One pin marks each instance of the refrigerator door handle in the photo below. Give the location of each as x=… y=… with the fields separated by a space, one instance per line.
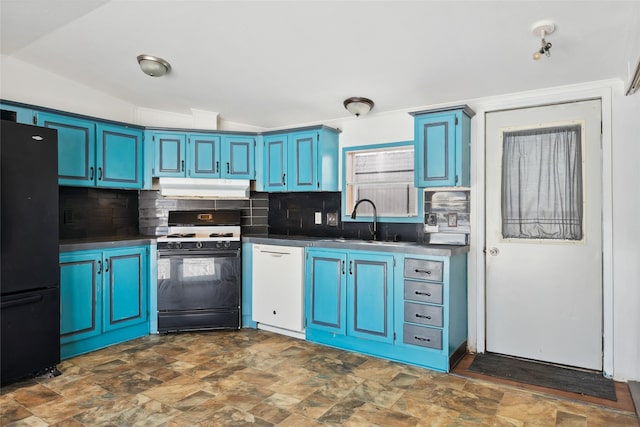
x=22 y=301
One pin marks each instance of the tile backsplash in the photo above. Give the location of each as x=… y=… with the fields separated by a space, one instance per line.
x=97 y=212
x=154 y=211
x=294 y=214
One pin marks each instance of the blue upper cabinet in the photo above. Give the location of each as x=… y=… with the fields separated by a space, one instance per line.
x=301 y=162
x=16 y=113
x=169 y=154
x=305 y=160
x=204 y=155
x=96 y=154
x=118 y=156
x=442 y=147
x=238 y=154
x=76 y=148
x=275 y=162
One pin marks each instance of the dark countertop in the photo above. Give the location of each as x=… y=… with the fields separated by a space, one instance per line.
x=104 y=242
x=355 y=244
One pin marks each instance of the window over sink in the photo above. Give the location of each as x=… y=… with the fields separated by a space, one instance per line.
x=383 y=173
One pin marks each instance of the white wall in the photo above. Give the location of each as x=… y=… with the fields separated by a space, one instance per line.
x=22 y=82
x=626 y=235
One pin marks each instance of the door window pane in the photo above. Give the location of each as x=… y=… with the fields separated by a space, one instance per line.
x=542 y=191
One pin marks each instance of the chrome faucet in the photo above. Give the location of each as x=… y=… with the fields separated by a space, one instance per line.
x=375 y=215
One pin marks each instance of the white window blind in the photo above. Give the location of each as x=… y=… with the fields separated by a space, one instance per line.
x=384 y=176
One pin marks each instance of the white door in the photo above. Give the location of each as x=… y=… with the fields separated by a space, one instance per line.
x=543 y=234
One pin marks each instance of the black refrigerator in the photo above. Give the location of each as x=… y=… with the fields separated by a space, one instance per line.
x=29 y=269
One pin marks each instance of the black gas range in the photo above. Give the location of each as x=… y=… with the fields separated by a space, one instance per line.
x=199 y=271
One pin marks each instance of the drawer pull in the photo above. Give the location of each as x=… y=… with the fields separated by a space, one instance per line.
x=427 y=272
x=423 y=293
x=422 y=339
x=423 y=316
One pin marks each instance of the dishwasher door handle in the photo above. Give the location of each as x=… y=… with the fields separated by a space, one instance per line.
x=274 y=253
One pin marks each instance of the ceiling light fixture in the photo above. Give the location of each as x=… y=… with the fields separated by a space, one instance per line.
x=358 y=106
x=153 y=66
x=542 y=29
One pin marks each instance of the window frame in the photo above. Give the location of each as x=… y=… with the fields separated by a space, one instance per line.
x=346 y=215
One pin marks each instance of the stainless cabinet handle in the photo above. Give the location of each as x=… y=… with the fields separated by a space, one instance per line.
x=421 y=316
x=427 y=272
x=422 y=339
x=423 y=293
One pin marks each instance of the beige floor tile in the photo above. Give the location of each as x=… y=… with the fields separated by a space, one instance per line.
x=249 y=377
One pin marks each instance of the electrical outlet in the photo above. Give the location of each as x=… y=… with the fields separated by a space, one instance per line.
x=318 y=218
x=452 y=219
x=332 y=219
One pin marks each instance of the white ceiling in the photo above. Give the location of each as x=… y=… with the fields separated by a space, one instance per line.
x=273 y=64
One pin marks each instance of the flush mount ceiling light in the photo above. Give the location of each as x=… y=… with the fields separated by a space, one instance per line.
x=542 y=29
x=358 y=106
x=153 y=66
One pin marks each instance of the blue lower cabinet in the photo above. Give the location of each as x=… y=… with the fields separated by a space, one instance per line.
x=407 y=308
x=103 y=298
x=80 y=296
x=326 y=284
x=349 y=297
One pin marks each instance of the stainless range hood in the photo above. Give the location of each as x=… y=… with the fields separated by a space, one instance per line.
x=204 y=188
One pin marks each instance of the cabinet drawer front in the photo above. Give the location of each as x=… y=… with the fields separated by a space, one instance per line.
x=423 y=269
x=423 y=291
x=424 y=337
x=421 y=313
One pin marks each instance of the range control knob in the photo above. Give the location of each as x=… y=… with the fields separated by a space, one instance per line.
x=178 y=245
x=227 y=244
x=199 y=245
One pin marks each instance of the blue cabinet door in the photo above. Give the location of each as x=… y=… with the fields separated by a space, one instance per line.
x=20 y=114
x=169 y=154
x=125 y=287
x=301 y=162
x=275 y=159
x=204 y=156
x=436 y=150
x=76 y=148
x=238 y=153
x=80 y=296
x=326 y=291
x=118 y=156
x=370 y=296
x=443 y=147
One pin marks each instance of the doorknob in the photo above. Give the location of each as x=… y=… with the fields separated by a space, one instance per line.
x=493 y=251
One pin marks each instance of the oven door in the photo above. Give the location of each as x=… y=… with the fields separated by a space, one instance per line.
x=198 y=290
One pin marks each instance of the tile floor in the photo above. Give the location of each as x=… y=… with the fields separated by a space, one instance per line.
x=256 y=377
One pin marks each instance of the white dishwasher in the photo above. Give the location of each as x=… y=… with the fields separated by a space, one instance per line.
x=278 y=288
